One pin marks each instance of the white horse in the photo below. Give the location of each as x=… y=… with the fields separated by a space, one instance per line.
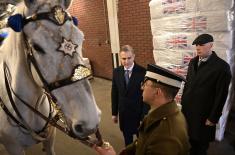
x=40 y=64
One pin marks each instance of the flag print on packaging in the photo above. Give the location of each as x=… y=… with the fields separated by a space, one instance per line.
x=173 y=6
x=177 y=42
x=195 y=24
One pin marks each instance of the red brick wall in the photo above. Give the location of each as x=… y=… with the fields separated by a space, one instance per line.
x=134 y=29
x=92 y=21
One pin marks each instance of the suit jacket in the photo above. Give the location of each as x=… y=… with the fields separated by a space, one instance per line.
x=163 y=132
x=204 y=95
x=127 y=101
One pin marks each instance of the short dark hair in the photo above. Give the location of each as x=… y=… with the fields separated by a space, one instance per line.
x=127 y=48
x=169 y=91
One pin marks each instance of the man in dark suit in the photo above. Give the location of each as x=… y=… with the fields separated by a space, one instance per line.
x=164 y=129
x=127 y=103
x=204 y=94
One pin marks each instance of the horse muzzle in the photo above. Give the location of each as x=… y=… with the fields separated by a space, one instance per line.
x=88 y=140
x=80 y=131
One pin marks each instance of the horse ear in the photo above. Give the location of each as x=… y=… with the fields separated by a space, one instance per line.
x=28 y=3
x=67 y=3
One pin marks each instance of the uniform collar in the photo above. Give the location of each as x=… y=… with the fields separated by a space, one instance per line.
x=159 y=114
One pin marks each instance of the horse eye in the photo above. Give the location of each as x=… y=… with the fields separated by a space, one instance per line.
x=38 y=48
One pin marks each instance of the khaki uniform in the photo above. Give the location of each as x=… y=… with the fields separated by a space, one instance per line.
x=163 y=132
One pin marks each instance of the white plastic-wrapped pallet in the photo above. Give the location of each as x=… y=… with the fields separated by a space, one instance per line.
x=173 y=40
x=176 y=23
x=163 y=8
x=208 y=21
x=183 y=41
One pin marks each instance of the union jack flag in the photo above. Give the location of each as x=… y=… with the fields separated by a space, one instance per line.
x=165 y=2
x=177 y=42
x=198 y=23
x=173 y=9
x=178 y=69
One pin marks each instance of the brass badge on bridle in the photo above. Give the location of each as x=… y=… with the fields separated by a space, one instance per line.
x=59 y=14
x=81 y=72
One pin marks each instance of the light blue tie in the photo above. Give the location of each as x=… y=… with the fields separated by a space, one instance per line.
x=127 y=76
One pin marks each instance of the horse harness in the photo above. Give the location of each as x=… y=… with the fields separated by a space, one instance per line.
x=58 y=16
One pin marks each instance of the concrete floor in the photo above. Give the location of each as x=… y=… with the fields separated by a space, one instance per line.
x=68 y=146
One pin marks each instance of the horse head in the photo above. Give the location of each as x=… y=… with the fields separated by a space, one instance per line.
x=52 y=51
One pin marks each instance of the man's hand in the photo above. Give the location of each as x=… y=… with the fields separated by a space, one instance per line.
x=104 y=151
x=209 y=123
x=115 y=119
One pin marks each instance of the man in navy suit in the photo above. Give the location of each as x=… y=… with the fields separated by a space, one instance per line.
x=127 y=101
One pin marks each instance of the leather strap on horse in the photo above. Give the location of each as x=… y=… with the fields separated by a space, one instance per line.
x=49 y=120
x=24 y=124
x=57 y=84
x=48 y=88
x=10 y=115
x=51 y=16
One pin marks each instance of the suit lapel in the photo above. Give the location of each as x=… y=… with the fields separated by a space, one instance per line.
x=195 y=64
x=122 y=78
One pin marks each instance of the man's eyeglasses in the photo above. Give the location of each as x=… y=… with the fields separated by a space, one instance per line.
x=145 y=83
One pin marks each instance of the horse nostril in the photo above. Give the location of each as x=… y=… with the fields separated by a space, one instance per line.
x=78 y=128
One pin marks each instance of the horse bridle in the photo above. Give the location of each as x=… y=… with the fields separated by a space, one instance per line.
x=58 y=16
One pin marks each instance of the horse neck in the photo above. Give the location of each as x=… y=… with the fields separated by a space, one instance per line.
x=15 y=57
x=16 y=60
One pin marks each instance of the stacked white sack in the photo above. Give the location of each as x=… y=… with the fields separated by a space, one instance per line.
x=175 y=24
x=170 y=40
x=170 y=58
x=209 y=21
x=163 y=8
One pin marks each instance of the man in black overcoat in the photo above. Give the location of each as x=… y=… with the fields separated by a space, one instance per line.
x=204 y=94
x=127 y=101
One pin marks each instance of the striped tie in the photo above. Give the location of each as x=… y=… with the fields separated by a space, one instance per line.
x=127 y=76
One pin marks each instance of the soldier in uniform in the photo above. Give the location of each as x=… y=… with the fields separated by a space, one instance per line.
x=164 y=129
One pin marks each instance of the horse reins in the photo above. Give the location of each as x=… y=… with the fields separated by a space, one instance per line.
x=48 y=88
x=49 y=120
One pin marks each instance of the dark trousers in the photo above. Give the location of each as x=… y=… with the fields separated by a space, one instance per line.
x=128 y=137
x=199 y=147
